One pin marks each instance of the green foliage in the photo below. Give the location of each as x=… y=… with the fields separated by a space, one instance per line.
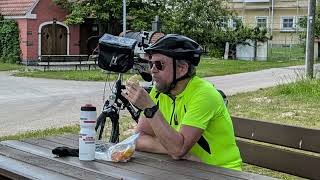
x=140 y=13
x=205 y=21
x=9 y=41
x=200 y=20
x=303 y=89
x=215 y=52
x=303 y=25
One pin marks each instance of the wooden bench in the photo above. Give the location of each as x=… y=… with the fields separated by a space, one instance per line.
x=292 y=150
x=32 y=159
x=66 y=60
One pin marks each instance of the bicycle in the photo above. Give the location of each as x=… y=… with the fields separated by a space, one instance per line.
x=114 y=104
x=111 y=109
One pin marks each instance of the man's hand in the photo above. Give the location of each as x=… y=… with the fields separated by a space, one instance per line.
x=137 y=95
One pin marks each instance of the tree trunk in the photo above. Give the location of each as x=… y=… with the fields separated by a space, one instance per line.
x=255 y=50
x=226 y=51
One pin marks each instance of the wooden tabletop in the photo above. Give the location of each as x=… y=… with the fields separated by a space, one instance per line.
x=32 y=159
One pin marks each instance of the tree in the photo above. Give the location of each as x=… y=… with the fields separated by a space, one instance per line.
x=196 y=19
x=200 y=20
x=108 y=13
x=302 y=26
x=206 y=21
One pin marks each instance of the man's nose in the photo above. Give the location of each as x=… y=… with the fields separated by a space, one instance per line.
x=153 y=68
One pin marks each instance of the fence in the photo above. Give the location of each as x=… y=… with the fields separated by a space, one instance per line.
x=286 y=50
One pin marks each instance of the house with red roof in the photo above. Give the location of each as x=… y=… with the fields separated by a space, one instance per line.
x=43 y=31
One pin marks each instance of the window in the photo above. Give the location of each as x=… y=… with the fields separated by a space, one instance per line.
x=261 y=21
x=236 y=21
x=223 y=22
x=287 y=23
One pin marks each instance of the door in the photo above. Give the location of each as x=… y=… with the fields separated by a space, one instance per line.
x=53 y=40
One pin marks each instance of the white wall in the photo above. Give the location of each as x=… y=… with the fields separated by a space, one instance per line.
x=246 y=52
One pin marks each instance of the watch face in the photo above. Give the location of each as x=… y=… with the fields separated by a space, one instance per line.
x=149 y=112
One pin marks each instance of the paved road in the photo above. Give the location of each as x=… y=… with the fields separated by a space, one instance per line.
x=244 y=82
x=33 y=103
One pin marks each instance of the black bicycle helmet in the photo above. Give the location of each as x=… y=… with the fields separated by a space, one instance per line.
x=178 y=47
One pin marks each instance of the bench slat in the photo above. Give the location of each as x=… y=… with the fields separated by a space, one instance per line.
x=34 y=156
x=99 y=170
x=289 y=136
x=137 y=168
x=280 y=160
x=156 y=160
x=14 y=169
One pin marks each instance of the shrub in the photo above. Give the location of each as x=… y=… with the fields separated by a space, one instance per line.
x=9 y=41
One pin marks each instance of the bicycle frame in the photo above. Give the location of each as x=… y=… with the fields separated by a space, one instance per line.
x=111 y=109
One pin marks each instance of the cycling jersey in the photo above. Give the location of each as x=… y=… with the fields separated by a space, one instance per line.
x=200 y=105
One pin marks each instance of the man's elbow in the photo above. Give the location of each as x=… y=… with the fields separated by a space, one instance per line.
x=177 y=153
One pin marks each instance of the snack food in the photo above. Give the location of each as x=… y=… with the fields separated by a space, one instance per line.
x=121 y=152
x=134 y=79
x=122 y=155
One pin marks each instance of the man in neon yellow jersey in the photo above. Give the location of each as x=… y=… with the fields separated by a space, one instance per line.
x=184 y=115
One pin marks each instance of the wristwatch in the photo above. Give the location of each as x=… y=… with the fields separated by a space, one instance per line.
x=150 y=112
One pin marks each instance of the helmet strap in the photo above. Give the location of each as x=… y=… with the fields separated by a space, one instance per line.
x=175 y=81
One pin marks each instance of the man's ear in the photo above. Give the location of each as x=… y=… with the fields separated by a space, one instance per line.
x=183 y=68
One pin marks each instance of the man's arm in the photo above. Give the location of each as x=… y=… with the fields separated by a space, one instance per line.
x=149 y=143
x=147 y=140
x=176 y=143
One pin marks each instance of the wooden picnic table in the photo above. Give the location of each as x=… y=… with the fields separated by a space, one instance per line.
x=33 y=159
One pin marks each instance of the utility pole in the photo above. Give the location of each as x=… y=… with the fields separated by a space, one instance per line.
x=124 y=17
x=310 y=39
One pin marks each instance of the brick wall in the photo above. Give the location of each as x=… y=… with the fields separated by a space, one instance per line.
x=46 y=11
x=22 y=23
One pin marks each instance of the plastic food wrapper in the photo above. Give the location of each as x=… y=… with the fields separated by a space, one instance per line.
x=121 y=152
x=134 y=79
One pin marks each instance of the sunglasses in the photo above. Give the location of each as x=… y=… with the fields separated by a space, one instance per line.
x=159 y=65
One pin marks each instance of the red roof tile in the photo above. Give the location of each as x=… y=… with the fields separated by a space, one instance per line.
x=15 y=7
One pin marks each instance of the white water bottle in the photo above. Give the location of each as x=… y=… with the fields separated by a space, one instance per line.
x=87 y=136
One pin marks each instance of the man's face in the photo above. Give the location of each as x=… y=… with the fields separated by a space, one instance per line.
x=161 y=70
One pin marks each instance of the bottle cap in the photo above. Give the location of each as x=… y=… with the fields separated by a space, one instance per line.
x=88 y=107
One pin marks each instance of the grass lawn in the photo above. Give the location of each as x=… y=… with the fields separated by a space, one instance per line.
x=205 y=68
x=293 y=104
x=223 y=67
x=8 y=67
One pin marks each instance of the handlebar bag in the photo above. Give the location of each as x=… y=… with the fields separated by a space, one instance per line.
x=116 y=53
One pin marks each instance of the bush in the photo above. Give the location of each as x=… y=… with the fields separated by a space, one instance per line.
x=216 y=53
x=9 y=41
